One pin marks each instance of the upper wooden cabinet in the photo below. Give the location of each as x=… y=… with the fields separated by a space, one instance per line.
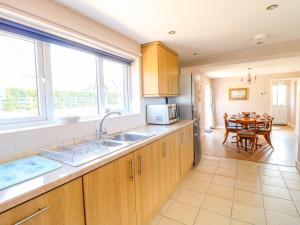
x=160 y=70
x=61 y=206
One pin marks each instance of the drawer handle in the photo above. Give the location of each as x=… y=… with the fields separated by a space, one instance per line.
x=139 y=165
x=131 y=170
x=39 y=211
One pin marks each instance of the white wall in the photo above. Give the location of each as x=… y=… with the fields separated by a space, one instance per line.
x=16 y=144
x=256 y=103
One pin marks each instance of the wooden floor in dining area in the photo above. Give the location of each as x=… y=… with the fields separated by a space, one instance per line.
x=283 y=139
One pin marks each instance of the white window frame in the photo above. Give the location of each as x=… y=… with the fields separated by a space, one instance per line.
x=40 y=83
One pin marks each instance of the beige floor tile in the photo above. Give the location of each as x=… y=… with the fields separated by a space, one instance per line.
x=293 y=184
x=166 y=206
x=221 y=191
x=211 y=157
x=238 y=222
x=248 y=169
x=274 y=218
x=206 y=169
x=247 y=163
x=226 y=172
x=268 y=166
x=274 y=191
x=248 y=198
x=209 y=162
x=247 y=176
x=222 y=180
x=182 y=213
x=155 y=220
x=248 y=214
x=274 y=181
x=176 y=192
x=167 y=221
x=248 y=186
x=291 y=176
x=280 y=205
x=223 y=159
x=271 y=173
x=196 y=175
x=195 y=185
x=290 y=169
x=297 y=204
x=208 y=218
x=228 y=165
x=189 y=197
x=295 y=195
x=217 y=205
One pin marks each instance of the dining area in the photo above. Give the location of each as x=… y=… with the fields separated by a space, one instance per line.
x=249 y=131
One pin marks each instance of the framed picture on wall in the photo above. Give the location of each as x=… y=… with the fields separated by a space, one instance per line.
x=238 y=93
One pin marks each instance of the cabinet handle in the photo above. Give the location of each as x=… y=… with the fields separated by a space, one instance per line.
x=39 y=211
x=139 y=165
x=131 y=170
x=164 y=150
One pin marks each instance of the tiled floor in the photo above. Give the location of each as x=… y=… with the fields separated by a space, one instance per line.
x=284 y=140
x=222 y=191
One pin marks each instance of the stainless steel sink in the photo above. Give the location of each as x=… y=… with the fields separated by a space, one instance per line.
x=129 y=137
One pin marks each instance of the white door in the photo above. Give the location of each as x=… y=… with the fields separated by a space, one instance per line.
x=280 y=102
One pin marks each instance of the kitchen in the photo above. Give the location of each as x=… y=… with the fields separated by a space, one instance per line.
x=97 y=88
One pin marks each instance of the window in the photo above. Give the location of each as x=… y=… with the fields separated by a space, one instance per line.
x=20 y=86
x=40 y=80
x=279 y=93
x=74 y=82
x=114 y=85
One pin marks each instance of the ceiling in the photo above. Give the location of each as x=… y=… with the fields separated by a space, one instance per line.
x=262 y=67
x=208 y=27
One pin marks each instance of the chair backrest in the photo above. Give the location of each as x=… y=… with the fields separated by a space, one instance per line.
x=252 y=124
x=270 y=121
x=225 y=114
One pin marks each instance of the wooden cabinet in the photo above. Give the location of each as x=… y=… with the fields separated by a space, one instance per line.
x=160 y=70
x=61 y=206
x=186 y=149
x=109 y=193
x=148 y=181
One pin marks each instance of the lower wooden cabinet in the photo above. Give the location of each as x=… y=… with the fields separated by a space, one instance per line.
x=186 y=149
x=61 y=206
x=109 y=193
x=148 y=172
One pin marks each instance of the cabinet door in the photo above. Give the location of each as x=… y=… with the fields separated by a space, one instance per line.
x=172 y=162
x=147 y=181
x=186 y=149
x=163 y=70
x=109 y=194
x=61 y=206
x=174 y=74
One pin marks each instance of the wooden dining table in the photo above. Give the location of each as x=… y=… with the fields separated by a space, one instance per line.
x=245 y=122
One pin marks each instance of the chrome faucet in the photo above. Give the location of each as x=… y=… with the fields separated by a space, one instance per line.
x=102 y=131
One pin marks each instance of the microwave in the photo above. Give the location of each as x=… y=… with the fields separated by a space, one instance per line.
x=162 y=114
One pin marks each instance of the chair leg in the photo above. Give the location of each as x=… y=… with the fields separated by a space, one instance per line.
x=237 y=143
x=269 y=141
x=226 y=136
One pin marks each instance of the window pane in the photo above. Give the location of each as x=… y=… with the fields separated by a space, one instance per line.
x=281 y=94
x=274 y=94
x=114 y=75
x=18 y=79
x=74 y=82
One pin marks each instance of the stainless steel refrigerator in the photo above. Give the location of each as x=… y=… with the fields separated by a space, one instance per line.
x=189 y=86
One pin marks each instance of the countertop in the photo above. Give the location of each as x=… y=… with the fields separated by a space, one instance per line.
x=30 y=189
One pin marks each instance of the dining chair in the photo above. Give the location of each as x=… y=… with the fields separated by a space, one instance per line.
x=247 y=134
x=266 y=130
x=230 y=127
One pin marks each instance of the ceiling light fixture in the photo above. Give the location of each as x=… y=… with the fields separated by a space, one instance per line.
x=272 y=7
x=248 y=79
x=194 y=53
x=172 y=32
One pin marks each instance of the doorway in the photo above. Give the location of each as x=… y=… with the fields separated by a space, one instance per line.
x=208 y=113
x=280 y=101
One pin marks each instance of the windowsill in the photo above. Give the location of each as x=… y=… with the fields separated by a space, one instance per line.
x=14 y=128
